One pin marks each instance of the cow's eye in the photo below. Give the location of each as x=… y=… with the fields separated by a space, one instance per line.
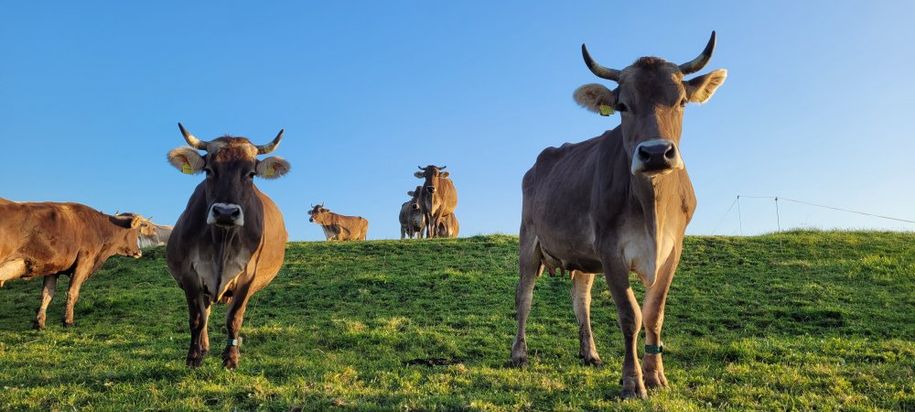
x=251 y=175
x=621 y=107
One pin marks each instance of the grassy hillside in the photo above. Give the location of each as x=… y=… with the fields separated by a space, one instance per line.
x=790 y=321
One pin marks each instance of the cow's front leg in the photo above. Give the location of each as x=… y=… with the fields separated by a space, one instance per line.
x=47 y=294
x=198 y=307
x=653 y=311
x=234 y=319
x=630 y=322
x=581 y=303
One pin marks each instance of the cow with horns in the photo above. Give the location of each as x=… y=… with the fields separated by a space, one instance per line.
x=439 y=197
x=230 y=241
x=615 y=204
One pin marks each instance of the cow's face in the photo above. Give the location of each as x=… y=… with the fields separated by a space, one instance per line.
x=129 y=244
x=651 y=97
x=230 y=165
x=431 y=174
x=318 y=214
x=415 y=198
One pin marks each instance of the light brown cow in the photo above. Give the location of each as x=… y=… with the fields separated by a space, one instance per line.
x=52 y=239
x=616 y=203
x=439 y=197
x=151 y=234
x=338 y=227
x=230 y=241
x=412 y=219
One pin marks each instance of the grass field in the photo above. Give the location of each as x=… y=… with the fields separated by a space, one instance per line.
x=802 y=320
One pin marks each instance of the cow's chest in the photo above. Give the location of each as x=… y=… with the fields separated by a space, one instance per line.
x=644 y=251
x=215 y=275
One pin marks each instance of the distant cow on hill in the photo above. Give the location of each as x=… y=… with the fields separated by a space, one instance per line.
x=412 y=219
x=615 y=204
x=52 y=239
x=338 y=227
x=439 y=197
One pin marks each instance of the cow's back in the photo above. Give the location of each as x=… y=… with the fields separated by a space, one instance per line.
x=48 y=235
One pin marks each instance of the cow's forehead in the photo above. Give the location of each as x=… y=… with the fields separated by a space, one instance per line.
x=228 y=148
x=652 y=78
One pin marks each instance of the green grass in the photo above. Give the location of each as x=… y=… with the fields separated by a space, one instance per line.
x=801 y=320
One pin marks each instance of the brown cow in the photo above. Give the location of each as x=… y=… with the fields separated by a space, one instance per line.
x=52 y=239
x=439 y=197
x=412 y=219
x=230 y=241
x=338 y=227
x=616 y=203
x=447 y=226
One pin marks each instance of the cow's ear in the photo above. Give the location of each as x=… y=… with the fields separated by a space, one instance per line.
x=136 y=222
x=701 y=88
x=186 y=159
x=445 y=174
x=420 y=174
x=596 y=98
x=272 y=167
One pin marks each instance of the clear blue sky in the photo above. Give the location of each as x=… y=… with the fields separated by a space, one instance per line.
x=817 y=106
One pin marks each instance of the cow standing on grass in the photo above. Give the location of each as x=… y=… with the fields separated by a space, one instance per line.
x=230 y=240
x=439 y=197
x=615 y=204
x=412 y=219
x=338 y=227
x=151 y=234
x=52 y=239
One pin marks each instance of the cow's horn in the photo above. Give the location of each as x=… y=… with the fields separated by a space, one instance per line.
x=269 y=147
x=597 y=69
x=420 y=168
x=698 y=63
x=191 y=140
x=443 y=167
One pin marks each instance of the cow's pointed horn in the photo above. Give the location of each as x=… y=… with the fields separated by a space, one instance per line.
x=597 y=69
x=192 y=140
x=443 y=167
x=420 y=168
x=269 y=147
x=698 y=63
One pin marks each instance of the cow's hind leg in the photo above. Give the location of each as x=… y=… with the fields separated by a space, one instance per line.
x=234 y=319
x=653 y=312
x=630 y=323
x=581 y=303
x=47 y=294
x=198 y=307
x=81 y=273
x=530 y=268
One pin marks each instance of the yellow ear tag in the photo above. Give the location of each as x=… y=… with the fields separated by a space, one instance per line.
x=186 y=169
x=605 y=110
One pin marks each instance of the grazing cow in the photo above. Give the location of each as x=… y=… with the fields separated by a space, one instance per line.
x=151 y=234
x=412 y=219
x=338 y=227
x=615 y=204
x=439 y=195
x=52 y=239
x=230 y=240
x=447 y=226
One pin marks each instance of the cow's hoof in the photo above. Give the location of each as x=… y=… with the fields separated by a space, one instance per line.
x=194 y=359
x=69 y=324
x=592 y=361
x=518 y=361
x=230 y=357
x=655 y=380
x=38 y=325
x=633 y=388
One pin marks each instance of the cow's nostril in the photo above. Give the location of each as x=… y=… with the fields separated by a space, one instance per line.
x=671 y=153
x=236 y=213
x=643 y=154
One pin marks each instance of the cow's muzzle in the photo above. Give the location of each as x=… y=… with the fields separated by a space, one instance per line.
x=656 y=157
x=226 y=214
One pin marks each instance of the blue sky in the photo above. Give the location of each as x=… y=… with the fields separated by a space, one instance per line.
x=817 y=105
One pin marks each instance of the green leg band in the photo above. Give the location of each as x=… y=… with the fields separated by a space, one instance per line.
x=654 y=349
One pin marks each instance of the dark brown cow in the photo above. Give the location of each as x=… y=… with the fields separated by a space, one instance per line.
x=52 y=239
x=338 y=227
x=412 y=219
x=439 y=197
x=615 y=204
x=230 y=241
